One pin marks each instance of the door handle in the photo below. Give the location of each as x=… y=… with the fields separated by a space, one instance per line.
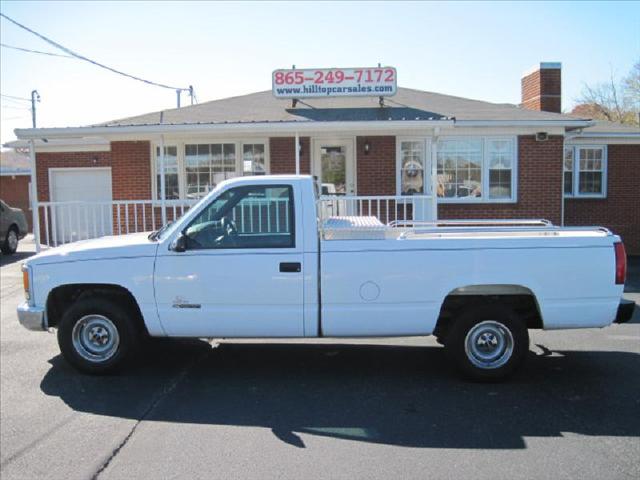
x=290 y=267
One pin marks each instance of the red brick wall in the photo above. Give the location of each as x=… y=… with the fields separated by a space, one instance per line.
x=131 y=170
x=620 y=211
x=376 y=172
x=282 y=155
x=14 y=190
x=542 y=89
x=539 y=186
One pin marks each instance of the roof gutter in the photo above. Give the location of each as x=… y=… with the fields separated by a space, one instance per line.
x=525 y=123
x=282 y=127
x=254 y=127
x=605 y=135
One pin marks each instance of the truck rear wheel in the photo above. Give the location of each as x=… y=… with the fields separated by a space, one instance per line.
x=487 y=342
x=96 y=335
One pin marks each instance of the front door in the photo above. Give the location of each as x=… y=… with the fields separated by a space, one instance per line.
x=241 y=274
x=334 y=167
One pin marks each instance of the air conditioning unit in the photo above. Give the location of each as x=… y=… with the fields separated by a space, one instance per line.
x=542 y=137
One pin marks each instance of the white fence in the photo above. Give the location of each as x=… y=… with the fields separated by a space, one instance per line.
x=64 y=222
x=387 y=209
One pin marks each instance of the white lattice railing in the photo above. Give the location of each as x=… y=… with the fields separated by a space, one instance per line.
x=386 y=209
x=64 y=222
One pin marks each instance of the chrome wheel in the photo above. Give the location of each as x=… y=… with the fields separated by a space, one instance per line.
x=12 y=240
x=95 y=338
x=489 y=344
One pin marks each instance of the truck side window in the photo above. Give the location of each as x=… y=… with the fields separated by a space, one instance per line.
x=245 y=217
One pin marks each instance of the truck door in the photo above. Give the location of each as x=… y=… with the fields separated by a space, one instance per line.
x=241 y=273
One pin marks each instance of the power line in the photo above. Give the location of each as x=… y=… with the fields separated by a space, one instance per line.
x=13 y=107
x=15 y=98
x=82 y=57
x=6 y=119
x=35 y=51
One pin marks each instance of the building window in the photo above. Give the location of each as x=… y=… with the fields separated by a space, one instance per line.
x=171 y=180
x=206 y=165
x=568 y=171
x=412 y=167
x=500 y=155
x=253 y=160
x=476 y=169
x=585 y=171
x=193 y=169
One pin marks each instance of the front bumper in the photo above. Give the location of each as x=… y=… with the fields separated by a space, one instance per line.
x=625 y=311
x=31 y=318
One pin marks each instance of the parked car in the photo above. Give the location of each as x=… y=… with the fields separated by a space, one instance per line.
x=252 y=260
x=13 y=227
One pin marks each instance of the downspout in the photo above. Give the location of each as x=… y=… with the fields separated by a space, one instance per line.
x=297 y=147
x=564 y=139
x=434 y=174
x=34 y=195
x=162 y=183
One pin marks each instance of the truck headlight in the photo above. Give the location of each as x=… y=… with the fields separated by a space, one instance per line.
x=26 y=282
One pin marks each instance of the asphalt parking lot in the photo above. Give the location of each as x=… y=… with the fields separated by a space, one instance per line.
x=389 y=408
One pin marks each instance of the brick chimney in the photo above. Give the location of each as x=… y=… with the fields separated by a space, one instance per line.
x=541 y=89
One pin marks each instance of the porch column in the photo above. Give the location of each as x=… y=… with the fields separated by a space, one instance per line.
x=162 y=189
x=34 y=195
x=434 y=175
x=297 y=147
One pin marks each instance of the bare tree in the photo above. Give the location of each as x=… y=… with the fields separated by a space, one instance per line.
x=615 y=101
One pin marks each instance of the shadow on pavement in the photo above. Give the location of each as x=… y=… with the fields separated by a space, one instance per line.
x=16 y=257
x=396 y=395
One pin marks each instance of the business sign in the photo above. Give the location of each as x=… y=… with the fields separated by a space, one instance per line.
x=334 y=82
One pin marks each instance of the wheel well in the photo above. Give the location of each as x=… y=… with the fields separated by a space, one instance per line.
x=524 y=304
x=14 y=226
x=62 y=297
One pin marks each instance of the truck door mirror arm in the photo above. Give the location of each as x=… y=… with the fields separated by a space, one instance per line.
x=179 y=244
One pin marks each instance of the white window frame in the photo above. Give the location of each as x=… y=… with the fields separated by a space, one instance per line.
x=182 y=173
x=576 y=171
x=155 y=195
x=426 y=164
x=485 y=171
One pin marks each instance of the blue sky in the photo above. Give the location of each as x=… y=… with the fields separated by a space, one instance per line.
x=475 y=50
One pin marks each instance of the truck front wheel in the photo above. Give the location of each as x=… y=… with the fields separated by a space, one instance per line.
x=487 y=342
x=96 y=335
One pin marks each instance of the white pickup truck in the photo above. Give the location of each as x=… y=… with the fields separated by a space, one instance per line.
x=253 y=259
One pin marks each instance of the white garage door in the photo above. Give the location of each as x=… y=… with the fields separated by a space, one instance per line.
x=83 y=198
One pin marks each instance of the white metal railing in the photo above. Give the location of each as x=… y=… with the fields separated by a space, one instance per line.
x=387 y=209
x=262 y=215
x=64 y=222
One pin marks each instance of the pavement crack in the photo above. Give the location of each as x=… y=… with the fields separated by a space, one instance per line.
x=166 y=391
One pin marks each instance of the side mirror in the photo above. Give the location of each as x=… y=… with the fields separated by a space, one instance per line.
x=179 y=244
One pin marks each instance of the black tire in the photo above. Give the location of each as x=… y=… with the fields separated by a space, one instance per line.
x=486 y=324
x=74 y=345
x=9 y=246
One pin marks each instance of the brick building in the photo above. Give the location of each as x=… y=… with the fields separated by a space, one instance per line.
x=480 y=159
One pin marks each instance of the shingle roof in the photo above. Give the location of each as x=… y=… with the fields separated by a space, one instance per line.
x=407 y=104
x=603 y=127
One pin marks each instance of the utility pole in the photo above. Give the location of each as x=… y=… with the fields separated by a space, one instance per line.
x=35 y=97
x=178 y=92
x=191 y=93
